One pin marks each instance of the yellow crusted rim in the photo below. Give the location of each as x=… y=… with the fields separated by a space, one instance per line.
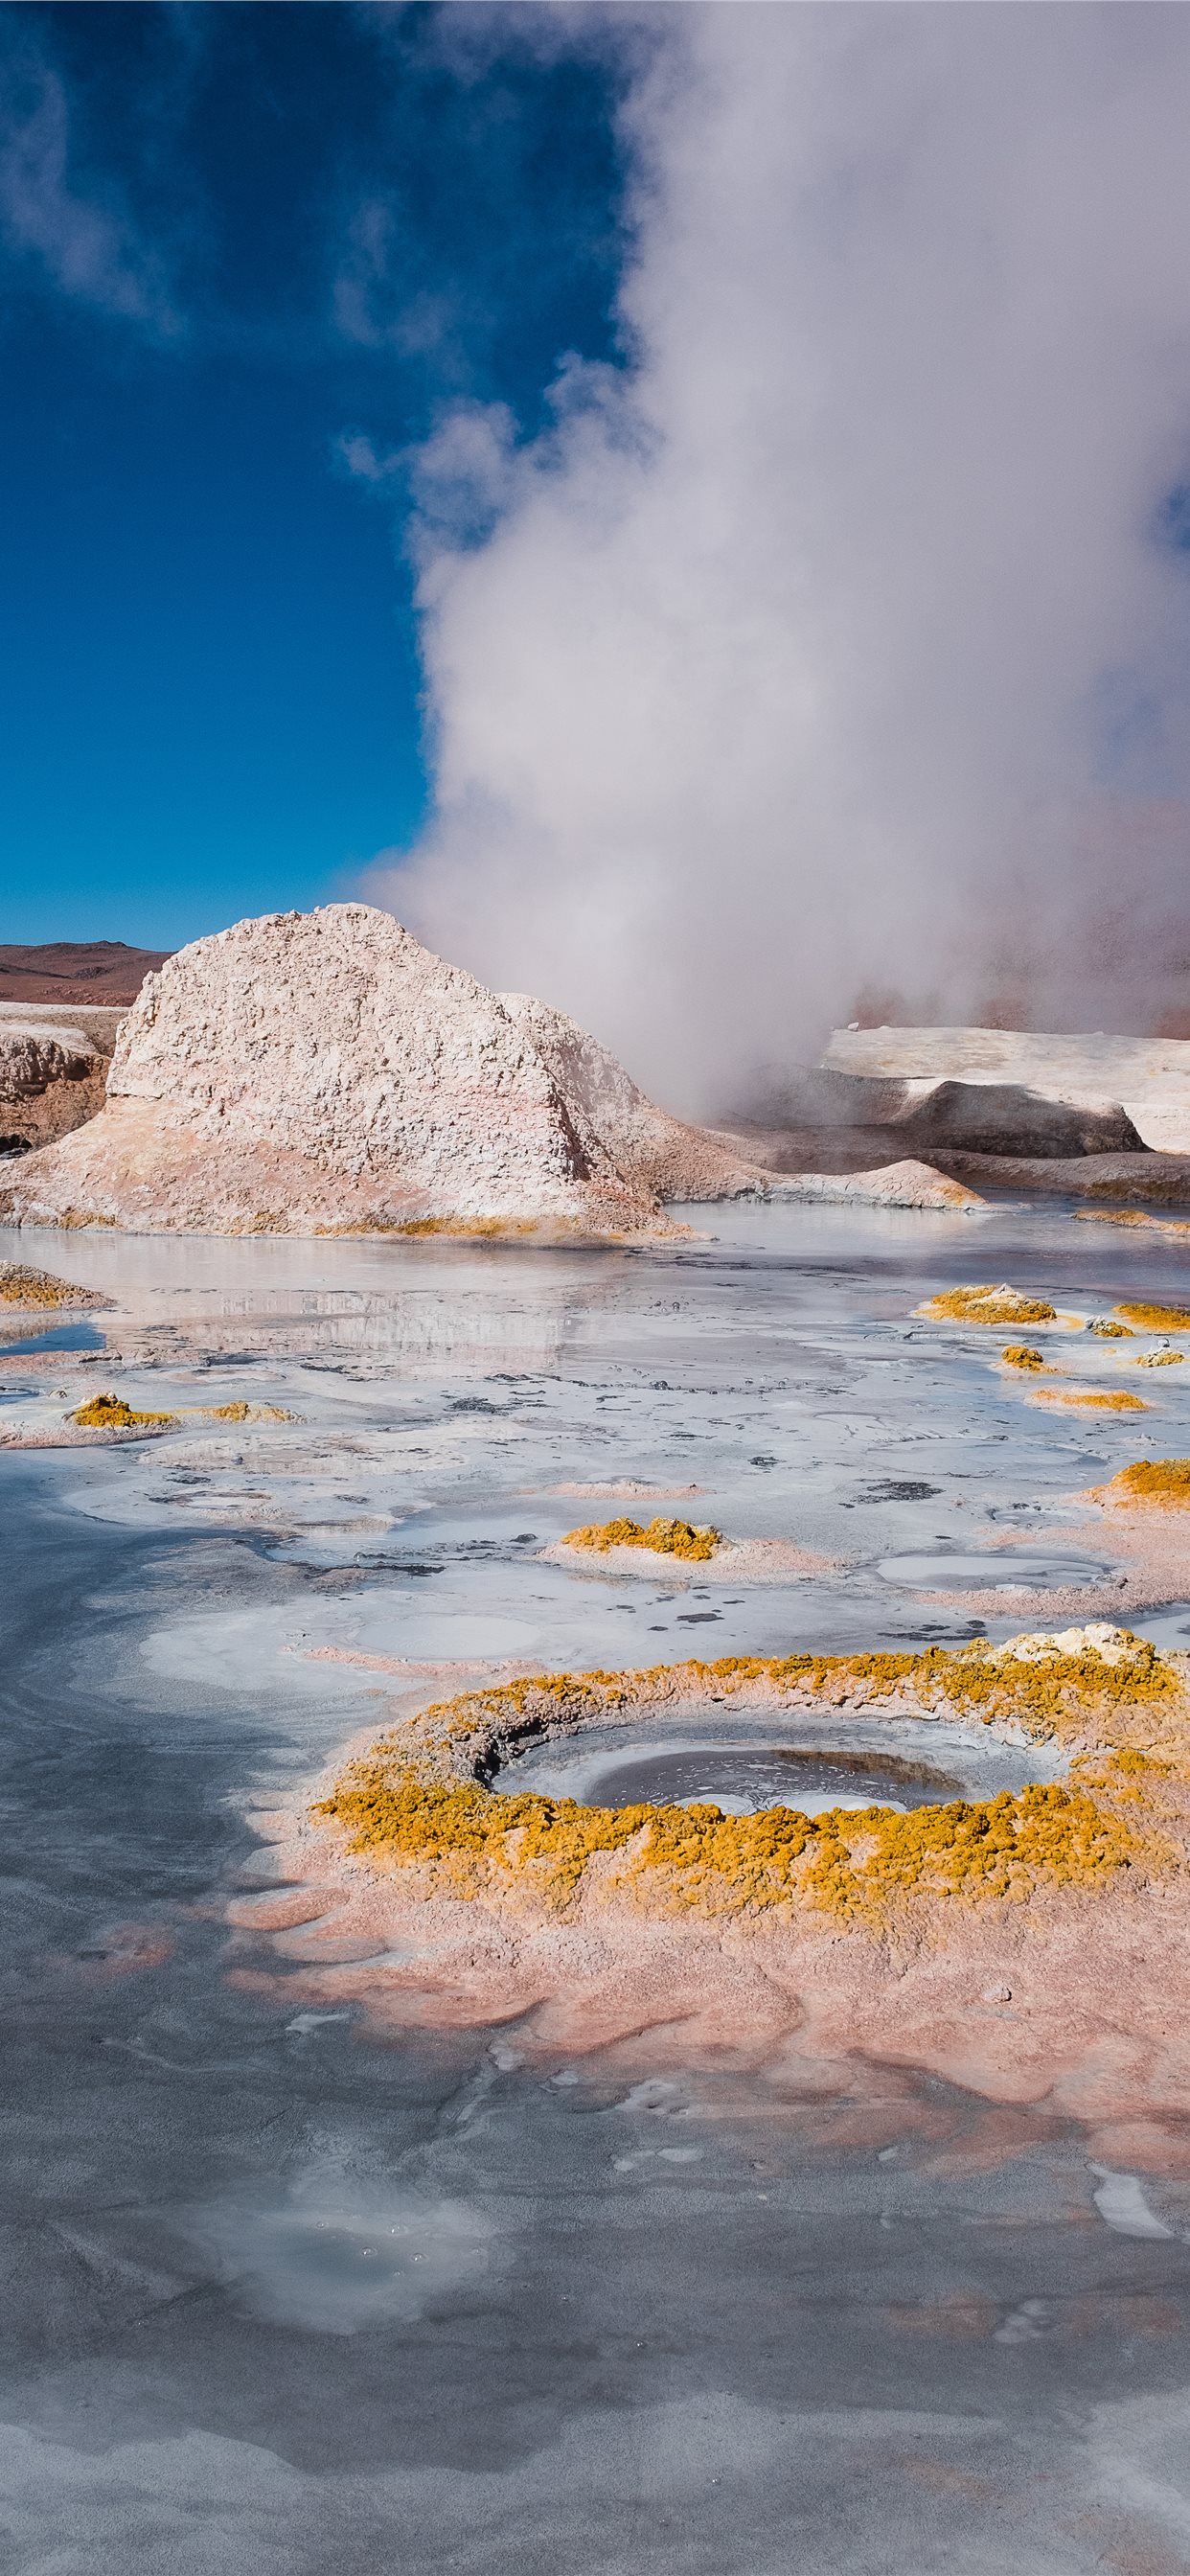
x=420 y=1796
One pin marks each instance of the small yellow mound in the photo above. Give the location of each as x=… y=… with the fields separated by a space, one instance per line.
x=1019 y=1355
x=1159 y=1359
x=20 y=1286
x=664 y=1538
x=1109 y=1332
x=1153 y=1480
x=1002 y=1305
x=110 y=1413
x=1093 y=1403
x=1157 y=1319
x=245 y=1413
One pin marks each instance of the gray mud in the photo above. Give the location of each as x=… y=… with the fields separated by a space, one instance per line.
x=743 y=1762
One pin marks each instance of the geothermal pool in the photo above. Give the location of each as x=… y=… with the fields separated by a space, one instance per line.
x=288 y=2289
x=741 y=1768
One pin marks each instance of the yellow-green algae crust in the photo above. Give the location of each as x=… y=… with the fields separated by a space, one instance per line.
x=420 y=1795
x=111 y=1413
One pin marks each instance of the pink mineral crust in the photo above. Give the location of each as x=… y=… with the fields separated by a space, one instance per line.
x=1075 y=2003
x=1154 y=1539
x=620 y=1489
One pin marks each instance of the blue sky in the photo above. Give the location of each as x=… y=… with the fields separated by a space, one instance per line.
x=231 y=238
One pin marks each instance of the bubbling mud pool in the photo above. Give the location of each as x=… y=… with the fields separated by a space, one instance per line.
x=746 y=1774
x=739 y=1784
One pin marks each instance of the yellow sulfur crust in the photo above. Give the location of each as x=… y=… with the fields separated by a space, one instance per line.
x=1152 y=1480
x=664 y=1538
x=1110 y=1401
x=1156 y=1319
x=1002 y=1305
x=110 y=1413
x=21 y=1286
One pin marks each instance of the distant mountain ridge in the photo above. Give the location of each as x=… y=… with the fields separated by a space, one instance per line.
x=76 y=971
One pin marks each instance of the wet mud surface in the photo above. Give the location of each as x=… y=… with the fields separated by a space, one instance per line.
x=283 y=2293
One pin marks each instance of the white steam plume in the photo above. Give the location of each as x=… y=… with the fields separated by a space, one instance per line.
x=838 y=639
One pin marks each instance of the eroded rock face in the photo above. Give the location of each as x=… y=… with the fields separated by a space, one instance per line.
x=980 y=1116
x=311 y=1071
x=673 y=1160
x=52 y=1075
x=1144 y=1081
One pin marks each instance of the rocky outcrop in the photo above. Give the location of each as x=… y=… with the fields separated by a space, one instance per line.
x=1145 y=1080
x=53 y=1072
x=816 y=1161
x=1119 y=1180
x=923 y=1115
x=314 y=1072
x=1093 y=1118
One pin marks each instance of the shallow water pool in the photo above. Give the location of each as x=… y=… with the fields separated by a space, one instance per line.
x=286 y=2291
x=1002 y=1570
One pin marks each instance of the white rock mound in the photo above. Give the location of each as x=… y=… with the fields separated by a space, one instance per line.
x=311 y=1072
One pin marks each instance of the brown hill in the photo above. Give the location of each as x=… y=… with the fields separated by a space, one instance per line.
x=76 y=970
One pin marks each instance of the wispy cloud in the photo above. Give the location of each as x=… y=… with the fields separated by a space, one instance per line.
x=375 y=302
x=84 y=244
x=359 y=456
